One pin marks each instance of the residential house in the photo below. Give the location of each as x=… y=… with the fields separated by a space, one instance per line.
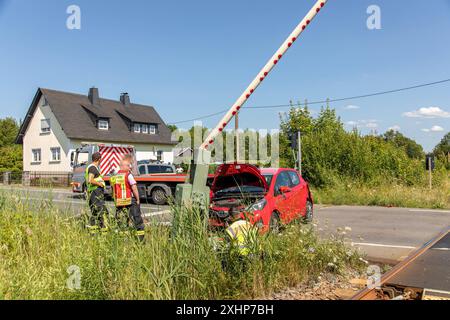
x=57 y=123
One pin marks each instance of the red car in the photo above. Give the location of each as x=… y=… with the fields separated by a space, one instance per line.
x=267 y=197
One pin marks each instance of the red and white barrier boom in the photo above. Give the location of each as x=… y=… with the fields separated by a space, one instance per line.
x=196 y=190
x=263 y=73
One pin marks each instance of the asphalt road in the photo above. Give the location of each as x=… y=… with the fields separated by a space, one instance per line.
x=383 y=234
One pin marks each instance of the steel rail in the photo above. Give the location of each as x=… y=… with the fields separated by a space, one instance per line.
x=371 y=294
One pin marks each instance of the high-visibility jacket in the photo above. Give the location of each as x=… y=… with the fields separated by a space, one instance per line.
x=122 y=189
x=241 y=233
x=91 y=187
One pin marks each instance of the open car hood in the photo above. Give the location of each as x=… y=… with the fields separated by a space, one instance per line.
x=231 y=175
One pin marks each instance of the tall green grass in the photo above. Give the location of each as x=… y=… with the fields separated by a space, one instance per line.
x=39 y=243
x=389 y=195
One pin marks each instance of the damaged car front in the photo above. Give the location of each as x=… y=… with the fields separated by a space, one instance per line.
x=238 y=192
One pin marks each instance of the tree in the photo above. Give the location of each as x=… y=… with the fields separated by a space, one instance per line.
x=442 y=150
x=411 y=147
x=172 y=127
x=11 y=158
x=9 y=129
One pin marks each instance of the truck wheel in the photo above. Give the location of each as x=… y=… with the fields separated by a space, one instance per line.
x=274 y=224
x=159 y=196
x=309 y=212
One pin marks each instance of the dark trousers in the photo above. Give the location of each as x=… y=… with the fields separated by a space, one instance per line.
x=99 y=212
x=133 y=213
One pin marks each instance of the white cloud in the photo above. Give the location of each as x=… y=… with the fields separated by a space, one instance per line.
x=434 y=129
x=430 y=113
x=370 y=124
x=351 y=107
x=395 y=128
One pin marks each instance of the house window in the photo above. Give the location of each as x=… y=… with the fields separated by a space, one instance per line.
x=36 y=155
x=152 y=129
x=55 y=154
x=103 y=125
x=144 y=128
x=137 y=128
x=44 y=102
x=45 y=126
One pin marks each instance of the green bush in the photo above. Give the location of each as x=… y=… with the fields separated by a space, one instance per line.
x=332 y=155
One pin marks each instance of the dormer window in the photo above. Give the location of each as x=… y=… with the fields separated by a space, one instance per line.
x=103 y=124
x=144 y=128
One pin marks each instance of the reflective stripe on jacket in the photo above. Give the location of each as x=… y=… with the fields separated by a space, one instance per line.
x=241 y=233
x=122 y=189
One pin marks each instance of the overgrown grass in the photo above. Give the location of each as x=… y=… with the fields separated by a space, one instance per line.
x=39 y=243
x=390 y=195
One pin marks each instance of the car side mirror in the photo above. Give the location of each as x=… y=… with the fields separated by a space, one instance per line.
x=285 y=189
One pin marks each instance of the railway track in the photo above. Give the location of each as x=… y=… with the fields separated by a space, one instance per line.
x=424 y=275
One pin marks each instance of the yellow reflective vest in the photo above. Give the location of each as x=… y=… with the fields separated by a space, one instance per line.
x=91 y=187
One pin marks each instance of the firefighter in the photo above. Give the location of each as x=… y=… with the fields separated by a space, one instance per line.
x=241 y=234
x=126 y=199
x=96 y=196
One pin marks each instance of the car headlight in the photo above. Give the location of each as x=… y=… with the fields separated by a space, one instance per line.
x=258 y=206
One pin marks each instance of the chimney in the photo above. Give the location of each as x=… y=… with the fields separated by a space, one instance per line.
x=125 y=99
x=94 y=97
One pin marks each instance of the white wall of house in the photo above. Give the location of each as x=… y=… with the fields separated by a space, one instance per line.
x=35 y=139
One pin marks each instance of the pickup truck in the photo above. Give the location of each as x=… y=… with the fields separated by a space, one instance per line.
x=156 y=187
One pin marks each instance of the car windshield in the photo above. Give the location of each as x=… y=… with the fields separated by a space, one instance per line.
x=240 y=189
x=268 y=178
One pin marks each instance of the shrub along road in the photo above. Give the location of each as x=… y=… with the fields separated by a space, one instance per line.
x=383 y=234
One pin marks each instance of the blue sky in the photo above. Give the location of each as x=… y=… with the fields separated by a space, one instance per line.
x=191 y=58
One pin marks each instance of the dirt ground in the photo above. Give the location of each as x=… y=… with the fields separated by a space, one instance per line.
x=325 y=287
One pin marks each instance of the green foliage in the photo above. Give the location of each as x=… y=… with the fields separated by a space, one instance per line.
x=412 y=148
x=11 y=158
x=331 y=154
x=442 y=150
x=10 y=154
x=8 y=131
x=389 y=195
x=172 y=127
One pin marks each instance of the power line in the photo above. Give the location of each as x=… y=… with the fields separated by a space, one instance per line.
x=324 y=101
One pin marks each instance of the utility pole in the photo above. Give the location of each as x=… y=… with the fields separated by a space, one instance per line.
x=299 y=141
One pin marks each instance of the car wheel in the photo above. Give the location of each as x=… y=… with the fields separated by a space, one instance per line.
x=274 y=224
x=309 y=214
x=159 y=196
